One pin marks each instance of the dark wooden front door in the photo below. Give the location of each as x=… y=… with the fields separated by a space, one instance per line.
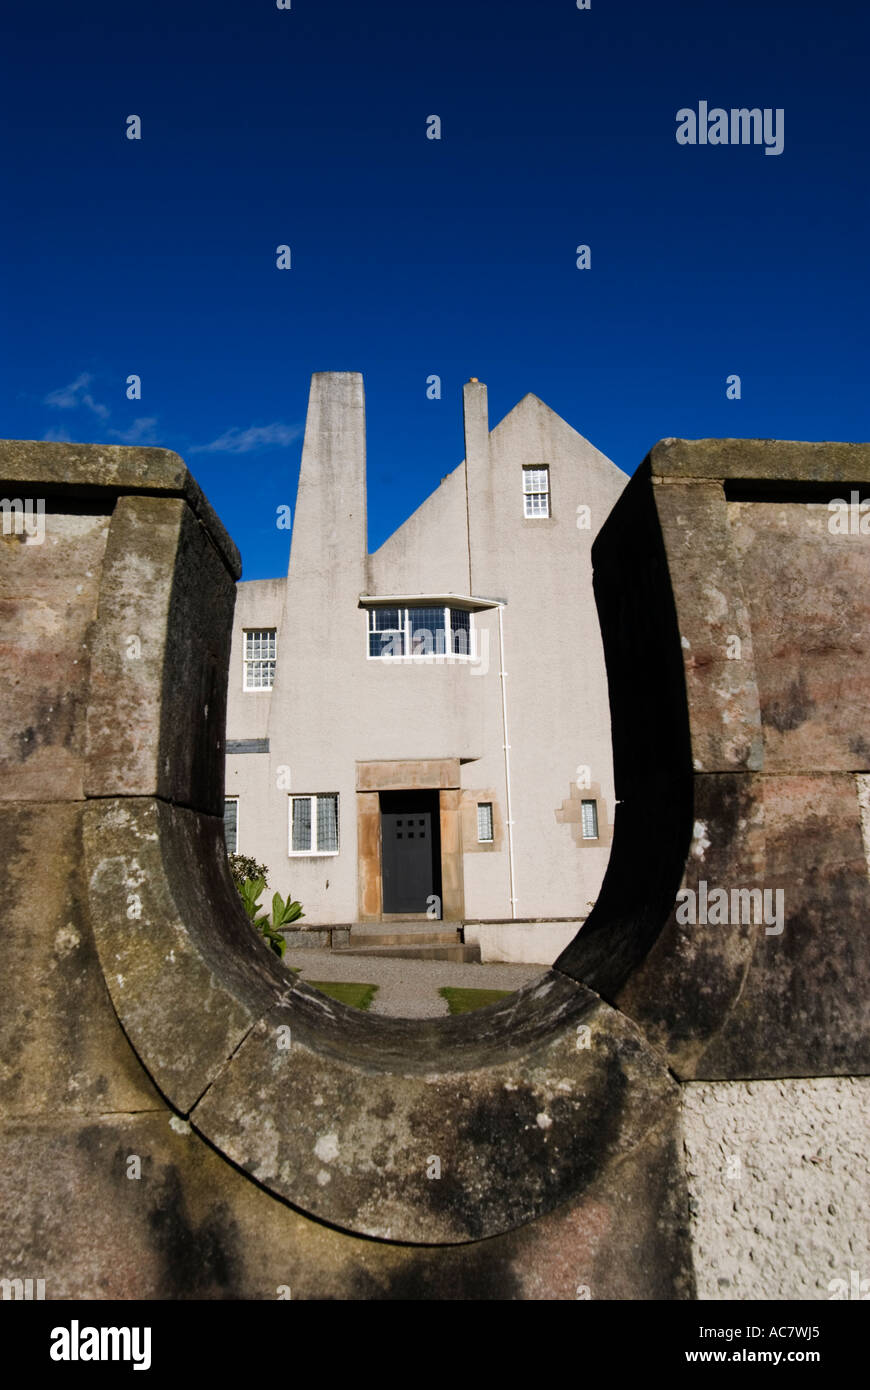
x=411 y=853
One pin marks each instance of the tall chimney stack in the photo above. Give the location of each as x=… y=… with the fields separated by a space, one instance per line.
x=478 y=473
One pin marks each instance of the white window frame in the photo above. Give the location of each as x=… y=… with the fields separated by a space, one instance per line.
x=532 y=491
x=594 y=804
x=248 y=662
x=313 y=797
x=485 y=839
x=234 y=799
x=407 y=629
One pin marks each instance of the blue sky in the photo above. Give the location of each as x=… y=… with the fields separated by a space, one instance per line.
x=413 y=257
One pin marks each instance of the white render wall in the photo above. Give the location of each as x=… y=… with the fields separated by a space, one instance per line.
x=259 y=603
x=779 y=1187
x=557 y=705
x=520 y=943
x=332 y=707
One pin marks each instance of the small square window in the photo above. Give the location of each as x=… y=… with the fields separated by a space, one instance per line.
x=536 y=492
x=314 y=824
x=231 y=824
x=259 y=659
x=589 y=814
x=484 y=821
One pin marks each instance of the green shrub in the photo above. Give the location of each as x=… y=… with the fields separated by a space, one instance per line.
x=250 y=879
x=243 y=866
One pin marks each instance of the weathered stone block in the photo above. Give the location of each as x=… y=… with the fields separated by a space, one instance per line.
x=713 y=535
x=808 y=596
x=525 y=1151
x=102 y=472
x=715 y=631
x=308 y=938
x=187 y=974
x=60 y=1045
x=353 y=1121
x=804 y=1007
x=48 y=599
x=192 y=1227
x=160 y=653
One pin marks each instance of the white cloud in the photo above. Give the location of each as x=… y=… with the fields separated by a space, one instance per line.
x=67 y=397
x=57 y=437
x=142 y=431
x=76 y=394
x=236 y=441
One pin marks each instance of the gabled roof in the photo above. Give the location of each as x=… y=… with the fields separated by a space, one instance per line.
x=530 y=404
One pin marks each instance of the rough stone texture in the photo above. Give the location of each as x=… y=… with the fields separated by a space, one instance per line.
x=760 y=460
x=803 y=1008
x=48 y=599
x=808 y=599
x=309 y=938
x=187 y=976
x=193 y=1227
x=561 y=1166
x=157 y=710
x=381 y=1095
x=717 y=575
x=862 y=783
x=100 y=471
x=518 y=1123
x=779 y=1186
x=60 y=1045
x=693 y=974
x=141 y=934
x=712 y=609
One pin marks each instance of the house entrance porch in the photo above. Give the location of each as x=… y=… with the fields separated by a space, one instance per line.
x=409 y=841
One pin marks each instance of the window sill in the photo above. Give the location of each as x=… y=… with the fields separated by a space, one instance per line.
x=432 y=658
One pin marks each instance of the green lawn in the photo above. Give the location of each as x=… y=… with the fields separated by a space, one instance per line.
x=462 y=1001
x=358 y=996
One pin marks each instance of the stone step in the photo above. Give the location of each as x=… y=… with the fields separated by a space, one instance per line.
x=467 y=955
x=414 y=927
x=402 y=938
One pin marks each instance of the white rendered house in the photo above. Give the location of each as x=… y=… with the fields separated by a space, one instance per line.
x=423 y=733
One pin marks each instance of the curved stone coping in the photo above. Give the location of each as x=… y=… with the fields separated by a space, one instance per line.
x=430 y=1154
x=186 y=975
x=518 y=1106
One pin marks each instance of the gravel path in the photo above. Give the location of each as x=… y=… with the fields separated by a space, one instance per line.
x=407 y=988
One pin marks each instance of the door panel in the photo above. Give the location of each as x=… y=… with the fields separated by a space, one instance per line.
x=409 y=855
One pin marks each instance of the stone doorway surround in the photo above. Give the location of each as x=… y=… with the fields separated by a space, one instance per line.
x=372 y=778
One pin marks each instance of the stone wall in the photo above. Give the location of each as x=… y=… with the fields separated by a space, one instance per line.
x=182 y=1119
